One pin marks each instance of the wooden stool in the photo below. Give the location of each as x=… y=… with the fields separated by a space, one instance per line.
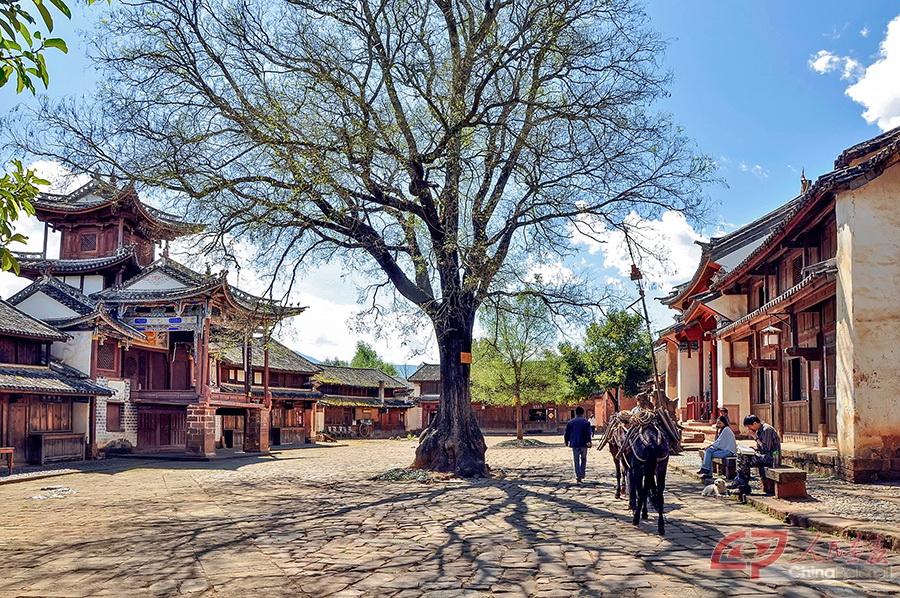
x=8 y=451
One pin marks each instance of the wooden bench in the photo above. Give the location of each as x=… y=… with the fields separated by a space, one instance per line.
x=789 y=482
x=726 y=466
x=8 y=451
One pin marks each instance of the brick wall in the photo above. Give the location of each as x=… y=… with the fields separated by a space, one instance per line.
x=122 y=394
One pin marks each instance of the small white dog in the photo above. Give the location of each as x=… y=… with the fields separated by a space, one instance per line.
x=717 y=488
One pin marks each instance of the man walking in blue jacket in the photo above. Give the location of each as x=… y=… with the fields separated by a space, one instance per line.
x=578 y=436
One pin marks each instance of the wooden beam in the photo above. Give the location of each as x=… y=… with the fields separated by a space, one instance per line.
x=769 y=364
x=808 y=353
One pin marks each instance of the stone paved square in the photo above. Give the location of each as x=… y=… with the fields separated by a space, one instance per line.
x=310 y=522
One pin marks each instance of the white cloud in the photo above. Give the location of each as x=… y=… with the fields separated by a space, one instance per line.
x=877 y=90
x=875 y=87
x=864 y=32
x=670 y=254
x=756 y=170
x=827 y=62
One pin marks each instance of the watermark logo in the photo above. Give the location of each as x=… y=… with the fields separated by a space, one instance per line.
x=753 y=550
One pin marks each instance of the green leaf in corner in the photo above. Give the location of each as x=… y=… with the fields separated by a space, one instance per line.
x=55 y=42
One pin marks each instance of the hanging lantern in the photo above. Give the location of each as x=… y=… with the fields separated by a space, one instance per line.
x=770 y=336
x=635 y=273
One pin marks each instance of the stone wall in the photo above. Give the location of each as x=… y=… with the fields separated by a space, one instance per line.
x=127 y=437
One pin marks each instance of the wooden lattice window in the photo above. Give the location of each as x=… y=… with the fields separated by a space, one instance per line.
x=797 y=270
x=89 y=242
x=131 y=366
x=114 y=417
x=106 y=357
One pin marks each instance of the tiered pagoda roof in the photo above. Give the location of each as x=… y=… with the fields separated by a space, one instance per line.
x=87 y=311
x=32 y=265
x=98 y=196
x=167 y=280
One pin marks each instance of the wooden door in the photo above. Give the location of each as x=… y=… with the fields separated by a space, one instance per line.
x=18 y=430
x=181 y=368
x=159 y=371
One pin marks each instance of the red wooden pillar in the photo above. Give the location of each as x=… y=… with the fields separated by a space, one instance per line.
x=714 y=388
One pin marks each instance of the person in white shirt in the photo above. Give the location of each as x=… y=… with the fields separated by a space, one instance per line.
x=724 y=446
x=593 y=421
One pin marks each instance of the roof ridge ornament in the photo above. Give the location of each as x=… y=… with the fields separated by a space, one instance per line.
x=804 y=182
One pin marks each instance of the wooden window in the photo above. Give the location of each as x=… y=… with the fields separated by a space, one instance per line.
x=257 y=377
x=796 y=270
x=89 y=242
x=114 y=417
x=106 y=357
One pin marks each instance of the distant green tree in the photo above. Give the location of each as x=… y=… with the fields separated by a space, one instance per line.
x=335 y=361
x=366 y=357
x=514 y=362
x=615 y=355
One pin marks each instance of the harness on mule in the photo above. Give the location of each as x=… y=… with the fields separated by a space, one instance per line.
x=651 y=432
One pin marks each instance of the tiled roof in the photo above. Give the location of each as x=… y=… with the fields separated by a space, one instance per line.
x=427 y=372
x=60 y=291
x=56 y=379
x=38 y=263
x=278 y=392
x=884 y=147
x=96 y=194
x=363 y=377
x=280 y=357
x=343 y=401
x=196 y=285
x=17 y=323
x=104 y=317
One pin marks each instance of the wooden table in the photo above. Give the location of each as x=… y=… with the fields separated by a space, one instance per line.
x=8 y=451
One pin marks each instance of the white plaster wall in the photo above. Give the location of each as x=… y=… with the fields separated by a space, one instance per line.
x=92 y=284
x=43 y=307
x=414 y=418
x=320 y=420
x=733 y=307
x=688 y=377
x=732 y=391
x=81 y=419
x=76 y=352
x=156 y=281
x=868 y=313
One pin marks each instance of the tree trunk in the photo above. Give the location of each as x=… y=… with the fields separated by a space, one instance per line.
x=453 y=442
x=615 y=400
x=519 y=431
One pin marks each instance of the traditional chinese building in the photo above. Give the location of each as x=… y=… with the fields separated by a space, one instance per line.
x=146 y=326
x=544 y=417
x=46 y=407
x=807 y=338
x=351 y=395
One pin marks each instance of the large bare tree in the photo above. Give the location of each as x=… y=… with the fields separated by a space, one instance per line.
x=444 y=140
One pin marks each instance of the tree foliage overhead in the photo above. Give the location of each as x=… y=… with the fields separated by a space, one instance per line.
x=22 y=47
x=441 y=143
x=616 y=354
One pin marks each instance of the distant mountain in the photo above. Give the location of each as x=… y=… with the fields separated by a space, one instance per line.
x=312 y=359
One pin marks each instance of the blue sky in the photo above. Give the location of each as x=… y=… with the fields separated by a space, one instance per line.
x=765 y=88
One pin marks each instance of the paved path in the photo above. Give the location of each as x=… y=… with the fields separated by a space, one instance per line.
x=307 y=523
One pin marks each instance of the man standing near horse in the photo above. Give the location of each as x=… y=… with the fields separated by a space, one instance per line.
x=578 y=436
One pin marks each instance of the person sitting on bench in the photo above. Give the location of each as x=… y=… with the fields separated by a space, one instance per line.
x=724 y=446
x=768 y=447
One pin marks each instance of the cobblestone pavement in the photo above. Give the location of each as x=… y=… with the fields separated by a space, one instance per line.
x=878 y=502
x=310 y=523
